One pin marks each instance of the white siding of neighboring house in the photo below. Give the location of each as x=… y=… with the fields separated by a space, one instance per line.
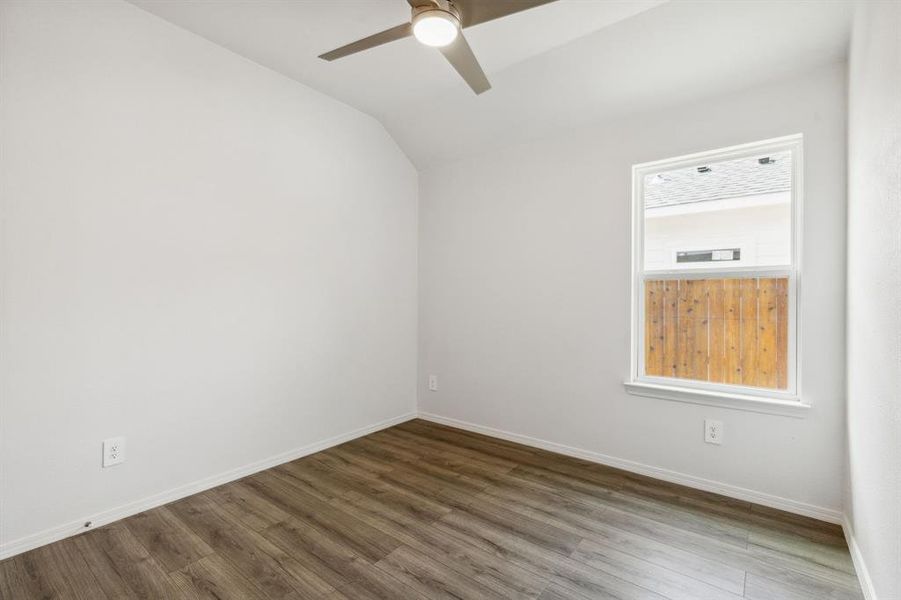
x=759 y=225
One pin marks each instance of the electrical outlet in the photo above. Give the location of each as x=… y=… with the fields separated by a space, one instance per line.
x=713 y=431
x=433 y=383
x=113 y=451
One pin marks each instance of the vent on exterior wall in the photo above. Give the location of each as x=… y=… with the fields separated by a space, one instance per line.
x=693 y=256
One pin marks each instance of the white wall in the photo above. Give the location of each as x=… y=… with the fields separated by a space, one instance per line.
x=198 y=254
x=874 y=296
x=524 y=294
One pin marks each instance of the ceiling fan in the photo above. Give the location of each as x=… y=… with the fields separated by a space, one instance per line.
x=439 y=23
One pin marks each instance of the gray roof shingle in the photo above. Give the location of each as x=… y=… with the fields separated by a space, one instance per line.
x=726 y=179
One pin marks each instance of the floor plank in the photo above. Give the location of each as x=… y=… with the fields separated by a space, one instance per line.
x=167 y=539
x=22 y=577
x=62 y=568
x=670 y=583
x=213 y=578
x=248 y=552
x=433 y=579
x=247 y=506
x=335 y=562
x=595 y=583
x=502 y=576
x=762 y=588
x=122 y=566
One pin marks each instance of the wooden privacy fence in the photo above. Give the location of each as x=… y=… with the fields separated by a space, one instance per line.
x=718 y=330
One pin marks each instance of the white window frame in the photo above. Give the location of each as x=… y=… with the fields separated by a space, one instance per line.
x=755 y=399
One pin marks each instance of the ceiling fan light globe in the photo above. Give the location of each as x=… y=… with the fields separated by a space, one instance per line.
x=436 y=28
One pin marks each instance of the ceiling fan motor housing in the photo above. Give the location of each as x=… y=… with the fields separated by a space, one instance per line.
x=436 y=24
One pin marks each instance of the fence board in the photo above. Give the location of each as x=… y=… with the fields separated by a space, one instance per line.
x=782 y=333
x=766 y=334
x=670 y=322
x=732 y=312
x=716 y=291
x=700 y=325
x=654 y=330
x=749 y=308
x=685 y=345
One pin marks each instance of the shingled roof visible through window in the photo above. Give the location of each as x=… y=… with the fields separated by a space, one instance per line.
x=727 y=179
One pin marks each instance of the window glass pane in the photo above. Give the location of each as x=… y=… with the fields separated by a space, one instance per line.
x=731 y=331
x=733 y=213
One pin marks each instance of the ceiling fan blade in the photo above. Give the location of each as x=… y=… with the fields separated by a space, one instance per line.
x=473 y=12
x=389 y=35
x=460 y=56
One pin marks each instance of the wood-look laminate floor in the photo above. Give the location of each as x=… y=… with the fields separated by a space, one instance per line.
x=426 y=511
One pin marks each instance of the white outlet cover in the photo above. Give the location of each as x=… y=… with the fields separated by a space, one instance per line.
x=433 y=383
x=113 y=451
x=713 y=431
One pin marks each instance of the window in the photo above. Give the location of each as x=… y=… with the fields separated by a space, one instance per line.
x=715 y=275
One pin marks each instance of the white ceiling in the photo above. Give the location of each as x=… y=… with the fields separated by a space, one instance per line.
x=551 y=67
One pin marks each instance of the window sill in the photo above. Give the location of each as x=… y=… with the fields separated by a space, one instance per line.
x=771 y=406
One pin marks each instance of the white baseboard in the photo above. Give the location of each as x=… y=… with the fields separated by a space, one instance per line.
x=108 y=516
x=863 y=575
x=716 y=487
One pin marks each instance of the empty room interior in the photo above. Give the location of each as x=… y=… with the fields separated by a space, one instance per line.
x=465 y=299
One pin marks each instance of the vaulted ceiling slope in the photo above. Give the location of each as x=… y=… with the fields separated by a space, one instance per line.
x=552 y=68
